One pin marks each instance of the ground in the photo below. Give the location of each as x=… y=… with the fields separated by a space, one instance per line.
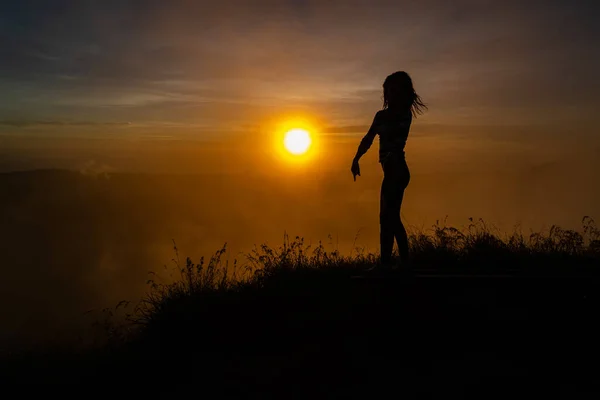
x=429 y=332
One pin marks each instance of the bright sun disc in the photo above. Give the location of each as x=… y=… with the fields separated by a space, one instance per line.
x=297 y=141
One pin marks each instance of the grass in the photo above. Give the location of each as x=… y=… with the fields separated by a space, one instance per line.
x=291 y=318
x=477 y=248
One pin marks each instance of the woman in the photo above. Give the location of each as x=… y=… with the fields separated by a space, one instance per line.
x=400 y=104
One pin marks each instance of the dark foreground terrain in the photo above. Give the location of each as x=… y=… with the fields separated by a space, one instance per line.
x=475 y=315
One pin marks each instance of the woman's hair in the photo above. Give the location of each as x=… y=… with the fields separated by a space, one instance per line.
x=399 y=93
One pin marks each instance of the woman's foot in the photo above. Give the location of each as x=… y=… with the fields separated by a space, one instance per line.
x=380 y=267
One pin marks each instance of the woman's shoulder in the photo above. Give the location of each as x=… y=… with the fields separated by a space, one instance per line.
x=381 y=115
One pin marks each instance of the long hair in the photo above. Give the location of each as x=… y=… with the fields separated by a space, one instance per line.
x=399 y=93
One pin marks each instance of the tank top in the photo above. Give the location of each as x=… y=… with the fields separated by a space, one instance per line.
x=392 y=128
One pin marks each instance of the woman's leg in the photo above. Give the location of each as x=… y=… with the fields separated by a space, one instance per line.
x=397 y=225
x=396 y=177
x=400 y=231
x=386 y=221
x=401 y=238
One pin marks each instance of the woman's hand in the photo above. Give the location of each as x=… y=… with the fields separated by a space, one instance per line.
x=355 y=169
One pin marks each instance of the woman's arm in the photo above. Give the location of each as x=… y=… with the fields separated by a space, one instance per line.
x=364 y=146
x=367 y=140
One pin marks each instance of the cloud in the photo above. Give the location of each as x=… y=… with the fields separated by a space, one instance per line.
x=33 y=123
x=347 y=129
x=97 y=170
x=169 y=60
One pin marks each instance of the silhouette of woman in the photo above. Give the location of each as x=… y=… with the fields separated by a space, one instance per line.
x=400 y=104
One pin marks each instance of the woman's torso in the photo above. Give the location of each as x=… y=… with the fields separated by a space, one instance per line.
x=393 y=128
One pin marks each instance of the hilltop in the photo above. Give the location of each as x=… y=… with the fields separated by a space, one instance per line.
x=473 y=313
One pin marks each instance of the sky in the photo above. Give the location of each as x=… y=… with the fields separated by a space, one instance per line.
x=202 y=70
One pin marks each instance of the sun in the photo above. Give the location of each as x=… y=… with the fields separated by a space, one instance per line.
x=297 y=141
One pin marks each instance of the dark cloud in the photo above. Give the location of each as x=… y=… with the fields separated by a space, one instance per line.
x=94 y=58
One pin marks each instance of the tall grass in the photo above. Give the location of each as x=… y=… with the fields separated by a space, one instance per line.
x=476 y=247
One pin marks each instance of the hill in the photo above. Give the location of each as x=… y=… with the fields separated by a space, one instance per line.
x=474 y=313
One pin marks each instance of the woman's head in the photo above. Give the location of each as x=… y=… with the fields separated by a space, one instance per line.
x=399 y=93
